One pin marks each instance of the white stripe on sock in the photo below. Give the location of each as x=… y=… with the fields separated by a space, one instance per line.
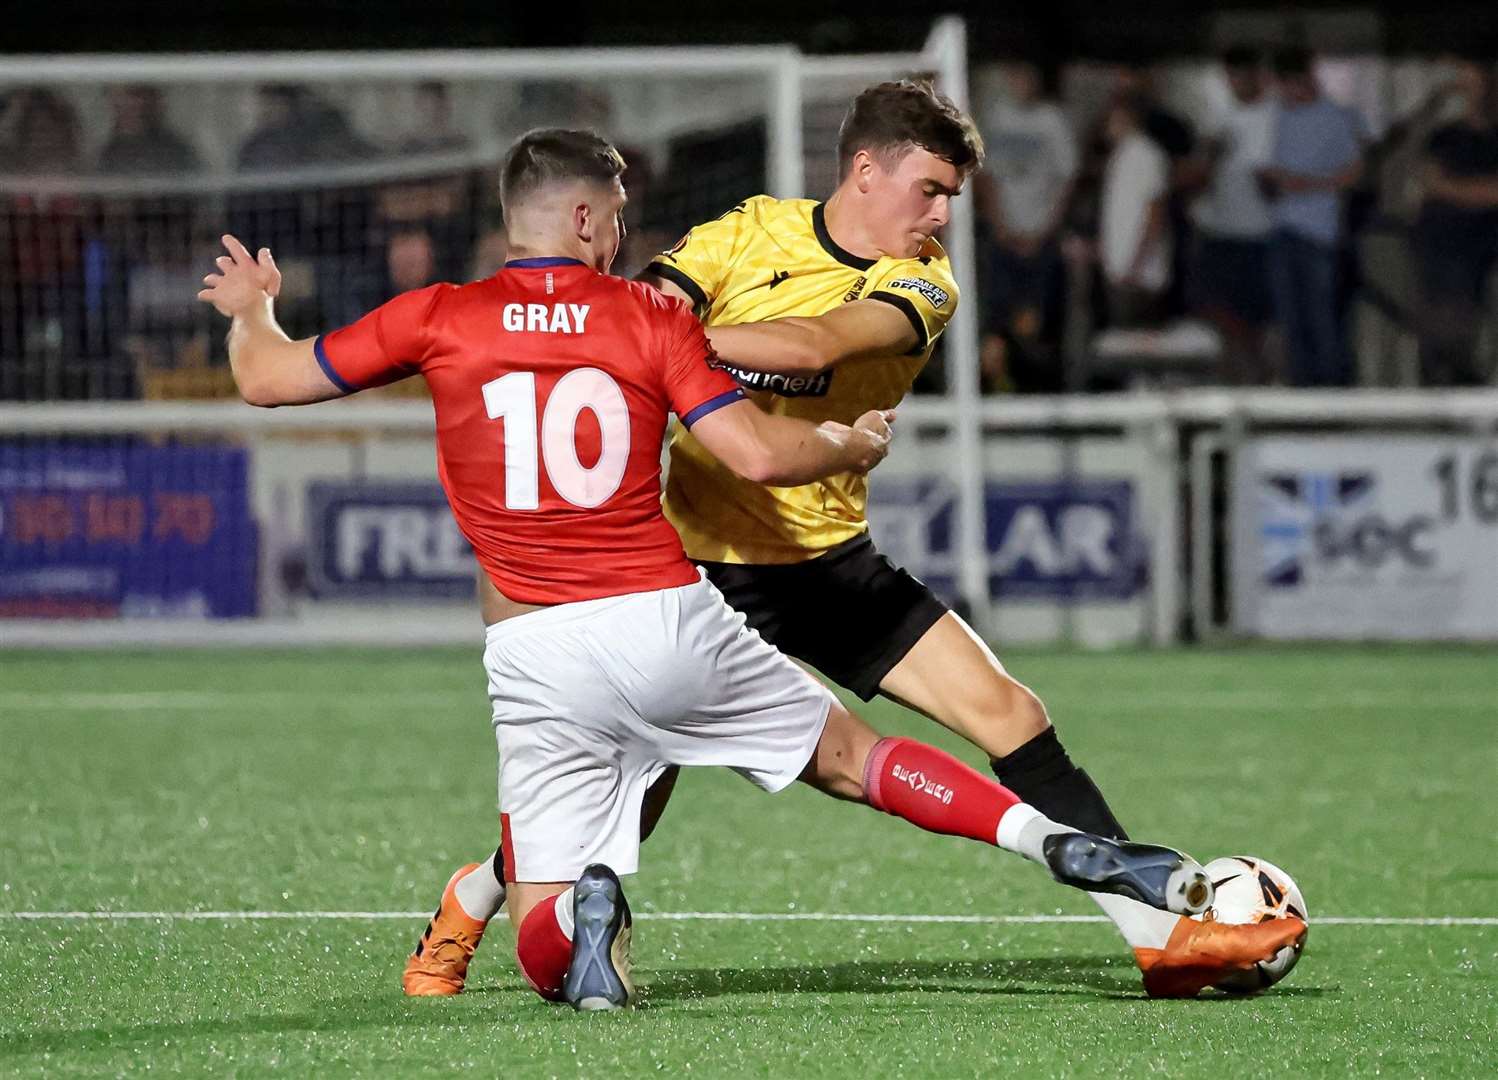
x=1012 y=824
x=564 y=913
x=479 y=895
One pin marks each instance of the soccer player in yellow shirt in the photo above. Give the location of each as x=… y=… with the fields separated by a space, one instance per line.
x=825 y=311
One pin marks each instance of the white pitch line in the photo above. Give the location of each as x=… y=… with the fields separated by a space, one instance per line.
x=705 y=916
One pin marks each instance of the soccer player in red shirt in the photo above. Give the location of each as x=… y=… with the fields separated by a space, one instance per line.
x=612 y=658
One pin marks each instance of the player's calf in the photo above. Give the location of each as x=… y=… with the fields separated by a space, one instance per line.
x=934 y=791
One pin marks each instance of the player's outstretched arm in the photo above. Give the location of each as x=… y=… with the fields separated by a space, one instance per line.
x=784 y=451
x=269 y=368
x=804 y=346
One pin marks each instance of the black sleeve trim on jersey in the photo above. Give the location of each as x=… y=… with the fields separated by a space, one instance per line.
x=910 y=313
x=681 y=281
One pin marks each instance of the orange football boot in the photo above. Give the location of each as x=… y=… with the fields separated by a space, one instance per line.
x=439 y=965
x=1199 y=954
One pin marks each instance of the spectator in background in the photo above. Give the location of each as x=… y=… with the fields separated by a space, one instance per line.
x=1134 y=241
x=146 y=242
x=140 y=141
x=433 y=131
x=296 y=128
x=44 y=276
x=39 y=133
x=433 y=209
x=1172 y=134
x=410 y=262
x=1317 y=157
x=322 y=230
x=1230 y=273
x=1023 y=196
x=1456 y=234
x=489 y=252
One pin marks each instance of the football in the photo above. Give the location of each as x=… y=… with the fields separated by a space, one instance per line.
x=1249 y=889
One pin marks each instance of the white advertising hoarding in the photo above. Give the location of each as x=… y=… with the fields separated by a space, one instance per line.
x=1356 y=537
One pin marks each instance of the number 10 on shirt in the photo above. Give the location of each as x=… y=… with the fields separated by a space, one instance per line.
x=512 y=398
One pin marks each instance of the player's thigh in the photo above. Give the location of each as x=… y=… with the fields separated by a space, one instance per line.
x=521 y=897
x=568 y=799
x=574 y=758
x=755 y=711
x=951 y=676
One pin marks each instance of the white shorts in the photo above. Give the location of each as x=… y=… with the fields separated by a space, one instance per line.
x=594 y=700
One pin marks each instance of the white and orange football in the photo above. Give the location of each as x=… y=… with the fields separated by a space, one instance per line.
x=1251 y=890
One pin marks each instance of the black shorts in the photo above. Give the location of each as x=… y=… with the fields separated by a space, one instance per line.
x=851 y=613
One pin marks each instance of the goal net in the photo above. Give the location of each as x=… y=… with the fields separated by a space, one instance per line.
x=367 y=176
x=138 y=499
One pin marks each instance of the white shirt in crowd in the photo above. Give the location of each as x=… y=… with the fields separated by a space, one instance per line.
x=1137 y=174
x=1032 y=154
x=1232 y=206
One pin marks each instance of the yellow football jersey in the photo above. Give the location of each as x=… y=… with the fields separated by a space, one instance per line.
x=769 y=259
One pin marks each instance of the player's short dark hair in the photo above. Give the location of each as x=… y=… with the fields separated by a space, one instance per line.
x=549 y=156
x=893 y=118
x=1293 y=63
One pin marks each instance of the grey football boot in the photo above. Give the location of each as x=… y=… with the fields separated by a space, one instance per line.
x=1158 y=876
x=598 y=977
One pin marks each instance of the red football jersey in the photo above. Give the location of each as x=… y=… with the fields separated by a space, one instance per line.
x=552 y=385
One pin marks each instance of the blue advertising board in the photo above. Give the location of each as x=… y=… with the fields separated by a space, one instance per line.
x=385 y=540
x=125 y=529
x=1066 y=540
x=1056 y=540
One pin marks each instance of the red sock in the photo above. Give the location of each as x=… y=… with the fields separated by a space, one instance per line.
x=934 y=791
x=544 y=948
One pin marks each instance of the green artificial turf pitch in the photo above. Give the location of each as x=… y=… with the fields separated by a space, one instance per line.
x=356 y=781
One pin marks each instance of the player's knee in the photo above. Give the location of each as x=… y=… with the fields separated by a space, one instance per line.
x=1028 y=716
x=1011 y=711
x=543 y=977
x=837 y=764
x=542 y=952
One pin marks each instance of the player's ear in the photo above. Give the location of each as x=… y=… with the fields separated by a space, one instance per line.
x=863 y=169
x=582 y=222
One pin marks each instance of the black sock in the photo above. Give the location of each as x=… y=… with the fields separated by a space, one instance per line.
x=1040 y=773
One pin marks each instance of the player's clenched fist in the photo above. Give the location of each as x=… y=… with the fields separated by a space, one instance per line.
x=871 y=436
x=243 y=281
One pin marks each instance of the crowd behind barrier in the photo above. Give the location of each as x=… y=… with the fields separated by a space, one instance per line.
x=1119 y=228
